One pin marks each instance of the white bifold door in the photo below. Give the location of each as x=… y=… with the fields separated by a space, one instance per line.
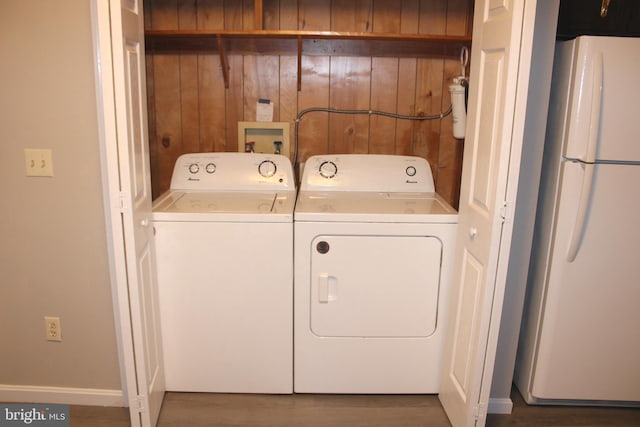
x=500 y=70
x=121 y=90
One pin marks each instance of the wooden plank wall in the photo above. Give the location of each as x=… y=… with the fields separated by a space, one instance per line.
x=191 y=111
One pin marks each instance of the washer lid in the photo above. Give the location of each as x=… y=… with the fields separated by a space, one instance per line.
x=224 y=206
x=351 y=206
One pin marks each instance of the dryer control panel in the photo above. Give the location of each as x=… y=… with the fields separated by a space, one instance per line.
x=367 y=172
x=232 y=172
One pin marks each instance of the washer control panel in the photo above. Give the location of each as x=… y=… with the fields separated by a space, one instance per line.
x=232 y=171
x=367 y=172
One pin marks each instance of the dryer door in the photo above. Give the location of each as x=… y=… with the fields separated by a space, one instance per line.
x=374 y=286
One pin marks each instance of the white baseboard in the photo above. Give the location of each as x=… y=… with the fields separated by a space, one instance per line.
x=500 y=405
x=61 y=395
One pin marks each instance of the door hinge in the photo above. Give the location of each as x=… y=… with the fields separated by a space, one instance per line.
x=479 y=412
x=125 y=202
x=505 y=211
x=138 y=404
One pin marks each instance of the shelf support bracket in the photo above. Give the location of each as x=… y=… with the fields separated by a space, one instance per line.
x=223 y=61
x=258 y=14
x=299 y=63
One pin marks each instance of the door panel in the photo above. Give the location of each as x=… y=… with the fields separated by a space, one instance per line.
x=148 y=304
x=372 y=286
x=482 y=187
x=464 y=331
x=137 y=147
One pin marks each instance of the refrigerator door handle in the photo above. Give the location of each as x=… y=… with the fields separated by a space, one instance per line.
x=596 y=105
x=590 y=158
x=581 y=214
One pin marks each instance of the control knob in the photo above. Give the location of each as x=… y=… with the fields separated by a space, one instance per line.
x=267 y=168
x=328 y=169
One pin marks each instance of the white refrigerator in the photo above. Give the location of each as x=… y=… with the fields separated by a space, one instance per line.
x=580 y=337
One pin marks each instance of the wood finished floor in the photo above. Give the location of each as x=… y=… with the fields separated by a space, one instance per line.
x=202 y=409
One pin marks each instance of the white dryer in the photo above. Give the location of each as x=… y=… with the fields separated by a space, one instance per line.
x=224 y=242
x=374 y=248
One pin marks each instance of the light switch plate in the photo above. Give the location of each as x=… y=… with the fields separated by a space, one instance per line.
x=38 y=162
x=53 y=328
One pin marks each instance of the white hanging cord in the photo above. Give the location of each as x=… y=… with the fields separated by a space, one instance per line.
x=464 y=60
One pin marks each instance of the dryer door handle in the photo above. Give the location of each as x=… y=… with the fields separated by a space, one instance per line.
x=327 y=288
x=323 y=287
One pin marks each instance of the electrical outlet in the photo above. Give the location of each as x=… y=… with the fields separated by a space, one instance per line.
x=38 y=162
x=53 y=328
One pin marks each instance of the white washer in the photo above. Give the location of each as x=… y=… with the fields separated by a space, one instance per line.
x=224 y=242
x=373 y=256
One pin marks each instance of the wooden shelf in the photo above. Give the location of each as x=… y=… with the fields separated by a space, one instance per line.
x=299 y=43
x=313 y=43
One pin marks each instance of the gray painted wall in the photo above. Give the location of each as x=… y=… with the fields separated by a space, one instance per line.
x=53 y=250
